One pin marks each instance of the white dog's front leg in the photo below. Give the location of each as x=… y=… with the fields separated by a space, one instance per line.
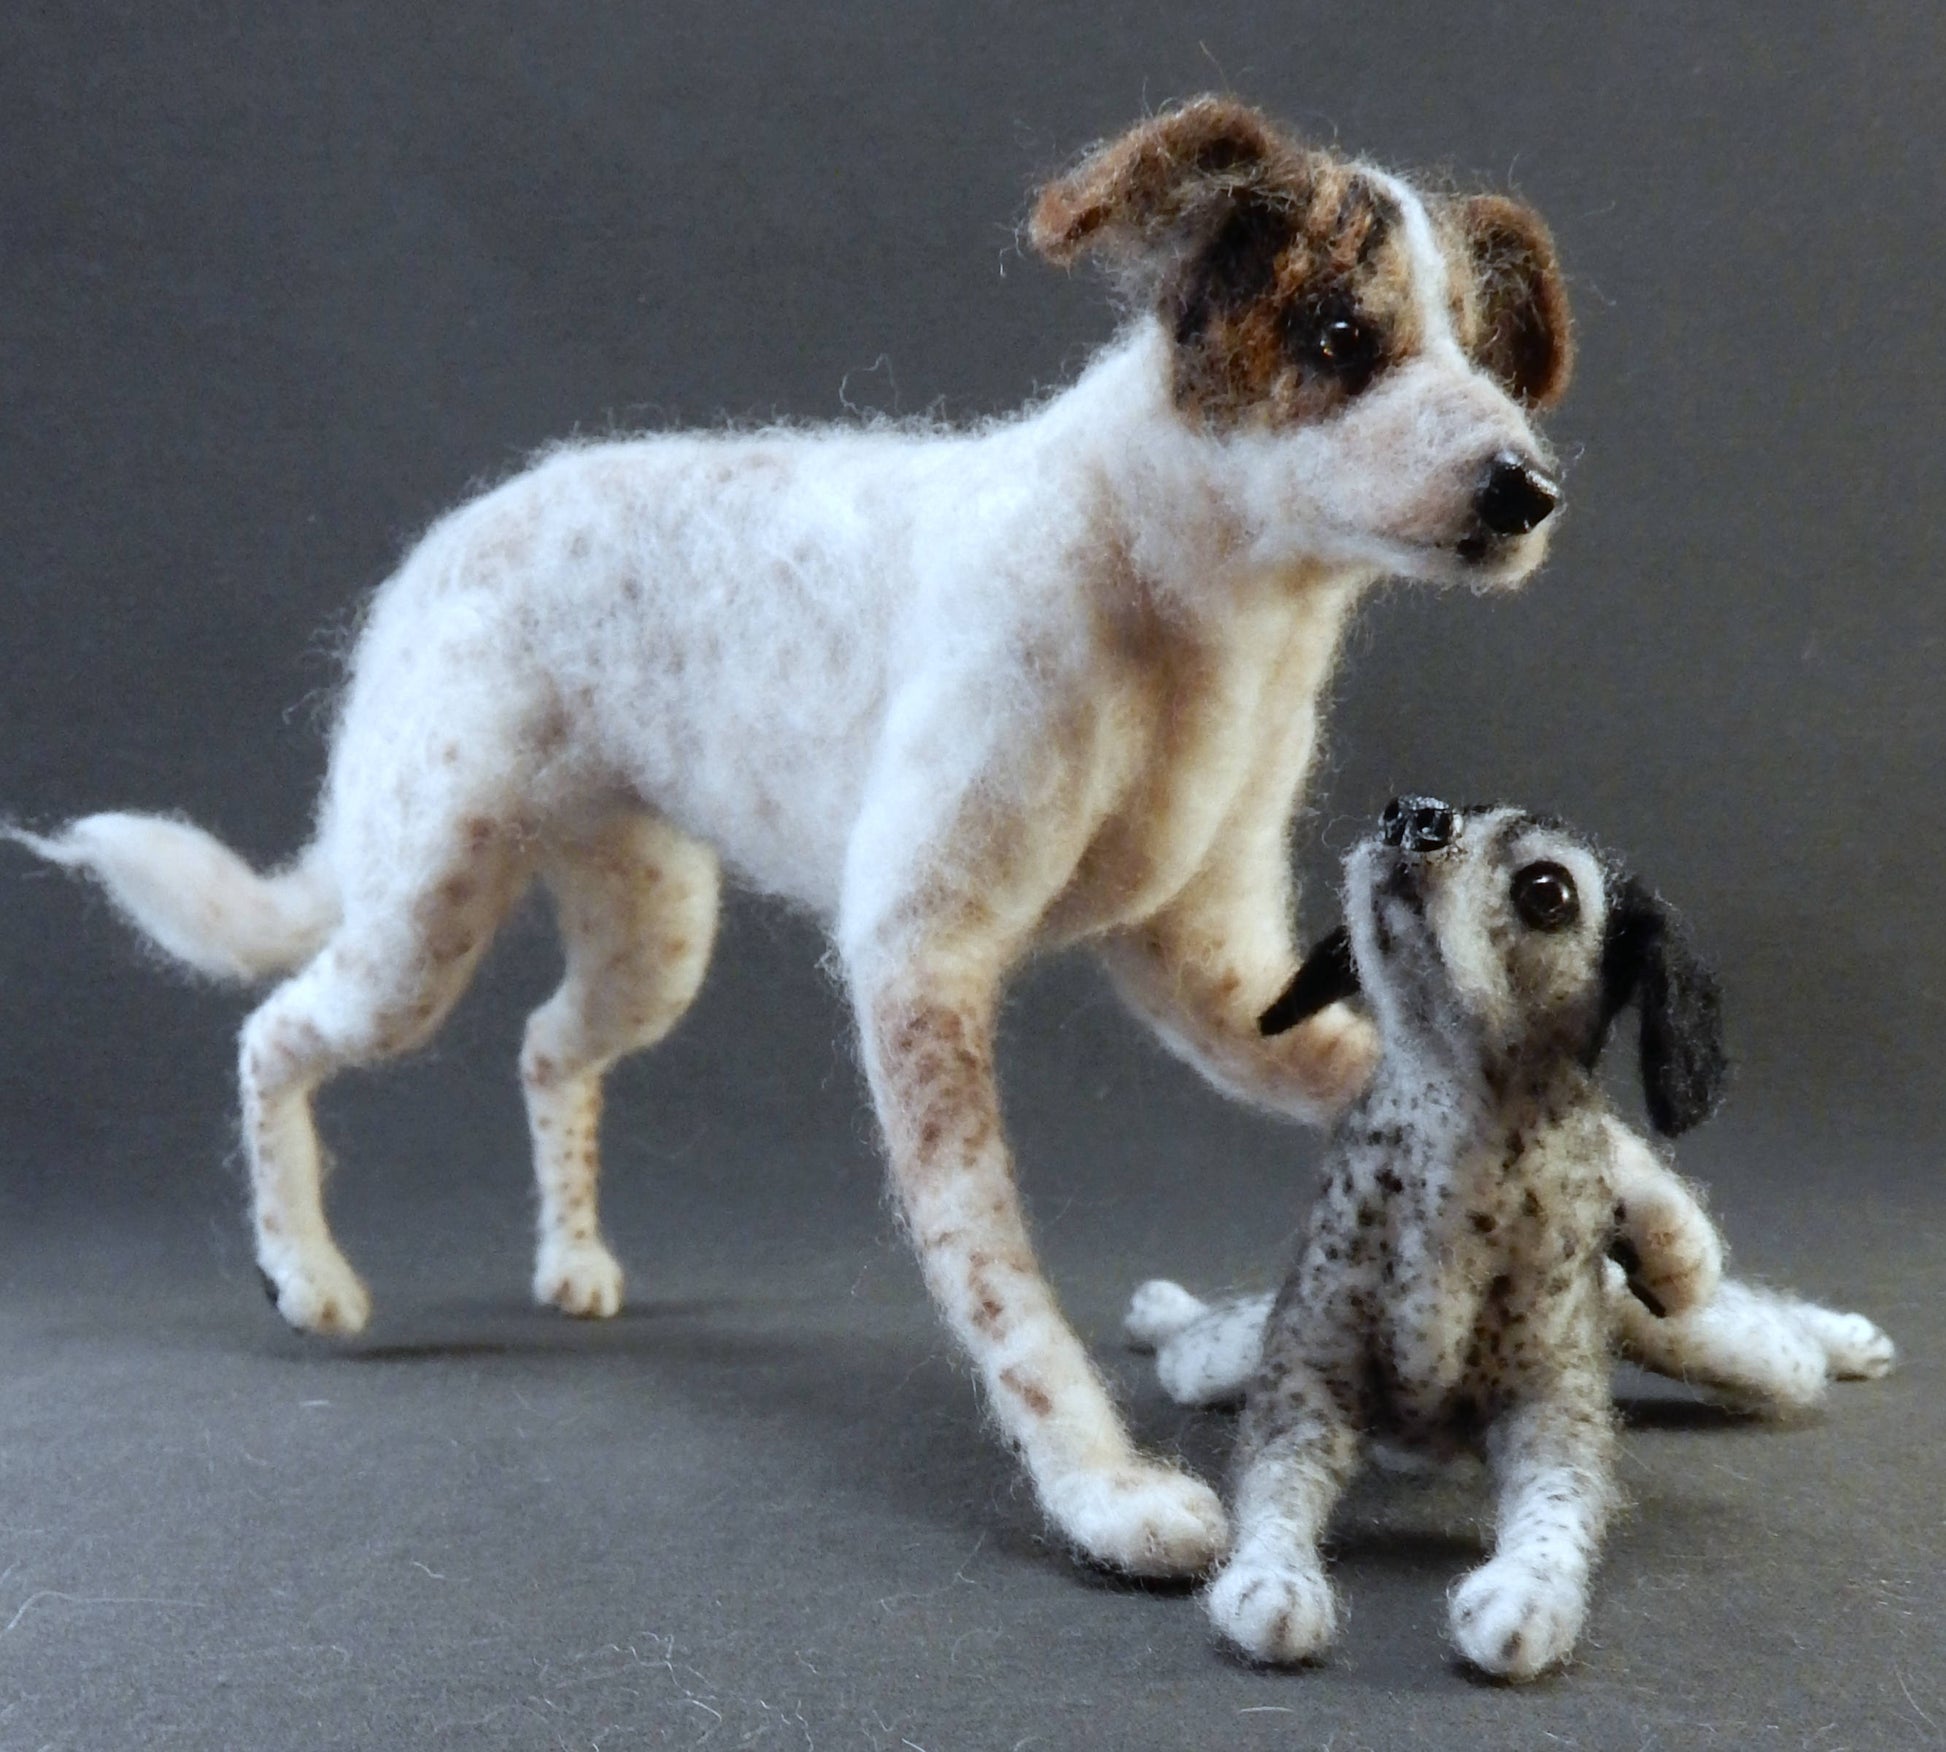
x=1202 y=973
x=1520 y=1612
x=928 y=1038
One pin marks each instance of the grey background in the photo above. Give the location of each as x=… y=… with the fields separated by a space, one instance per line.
x=282 y=283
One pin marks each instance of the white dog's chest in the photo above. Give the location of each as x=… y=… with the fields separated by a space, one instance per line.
x=1196 y=744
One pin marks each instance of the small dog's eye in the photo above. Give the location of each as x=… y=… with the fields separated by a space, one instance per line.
x=1544 y=897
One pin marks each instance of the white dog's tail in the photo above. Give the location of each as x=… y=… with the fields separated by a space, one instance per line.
x=195 y=898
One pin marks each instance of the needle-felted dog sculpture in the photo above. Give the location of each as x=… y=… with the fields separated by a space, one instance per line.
x=1451 y=1291
x=963 y=695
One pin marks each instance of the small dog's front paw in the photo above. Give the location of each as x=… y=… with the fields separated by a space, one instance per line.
x=1854 y=1349
x=1144 y=1518
x=1511 y=1620
x=1157 y=1311
x=1279 y=1614
x=581 y=1278
x=317 y=1291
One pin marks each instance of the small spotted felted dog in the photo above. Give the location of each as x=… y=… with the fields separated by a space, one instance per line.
x=1454 y=1291
x=963 y=695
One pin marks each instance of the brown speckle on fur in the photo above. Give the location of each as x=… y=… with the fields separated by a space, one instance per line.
x=1030 y=1392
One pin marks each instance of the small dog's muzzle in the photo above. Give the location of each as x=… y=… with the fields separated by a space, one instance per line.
x=1416 y=824
x=1516 y=497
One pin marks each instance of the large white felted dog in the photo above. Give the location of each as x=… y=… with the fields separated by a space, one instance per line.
x=965 y=695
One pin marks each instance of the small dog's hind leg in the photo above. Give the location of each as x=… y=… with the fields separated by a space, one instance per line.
x=1520 y=1612
x=1206 y=1352
x=391 y=971
x=1760 y=1350
x=637 y=902
x=1158 y=1311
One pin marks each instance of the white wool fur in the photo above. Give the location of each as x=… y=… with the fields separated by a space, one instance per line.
x=1759 y=1350
x=963 y=695
x=195 y=898
x=1458 y=1288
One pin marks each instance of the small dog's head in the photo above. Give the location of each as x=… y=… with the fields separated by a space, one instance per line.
x=1369 y=355
x=1513 y=941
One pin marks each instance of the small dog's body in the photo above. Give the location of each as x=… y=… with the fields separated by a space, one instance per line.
x=1454 y=1289
x=963 y=695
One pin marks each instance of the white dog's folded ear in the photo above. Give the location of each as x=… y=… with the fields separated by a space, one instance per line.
x=1329 y=976
x=1138 y=193
x=1526 y=333
x=1648 y=959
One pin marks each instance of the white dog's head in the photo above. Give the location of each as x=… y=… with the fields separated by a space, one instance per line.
x=1366 y=355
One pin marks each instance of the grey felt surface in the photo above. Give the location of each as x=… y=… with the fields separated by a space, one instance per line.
x=280 y=282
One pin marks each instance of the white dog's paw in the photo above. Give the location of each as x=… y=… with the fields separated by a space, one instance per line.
x=1854 y=1349
x=317 y=1291
x=1158 y=1311
x=1275 y=1613
x=1143 y=1518
x=581 y=1278
x=1511 y=1620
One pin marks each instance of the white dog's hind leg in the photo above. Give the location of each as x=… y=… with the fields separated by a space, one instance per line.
x=1761 y=1350
x=1520 y=1612
x=637 y=902
x=1206 y=1352
x=382 y=984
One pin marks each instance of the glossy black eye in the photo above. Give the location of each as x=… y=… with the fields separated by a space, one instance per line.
x=1544 y=897
x=1342 y=340
x=1335 y=342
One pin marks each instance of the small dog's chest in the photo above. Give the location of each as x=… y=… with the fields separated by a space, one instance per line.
x=1467 y=1268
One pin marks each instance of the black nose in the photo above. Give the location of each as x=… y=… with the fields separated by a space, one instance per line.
x=1416 y=824
x=1516 y=496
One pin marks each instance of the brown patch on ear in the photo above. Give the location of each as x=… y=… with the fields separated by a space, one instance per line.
x=1133 y=195
x=1524 y=333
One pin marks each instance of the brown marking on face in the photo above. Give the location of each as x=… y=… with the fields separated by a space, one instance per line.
x=1281 y=271
x=1302 y=295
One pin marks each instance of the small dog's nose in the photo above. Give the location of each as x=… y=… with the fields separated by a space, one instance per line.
x=1416 y=824
x=1516 y=496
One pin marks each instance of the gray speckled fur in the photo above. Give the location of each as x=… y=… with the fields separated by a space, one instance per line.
x=1449 y=1293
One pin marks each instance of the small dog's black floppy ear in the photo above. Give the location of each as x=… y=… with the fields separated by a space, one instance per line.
x=1526 y=333
x=1649 y=959
x=1132 y=196
x=1328 y=976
